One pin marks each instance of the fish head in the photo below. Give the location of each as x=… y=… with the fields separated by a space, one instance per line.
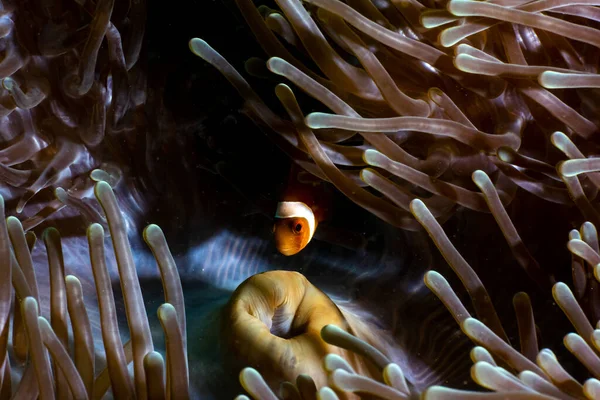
x=291 y=235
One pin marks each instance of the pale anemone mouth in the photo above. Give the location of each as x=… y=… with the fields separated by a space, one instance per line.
x=273 y=322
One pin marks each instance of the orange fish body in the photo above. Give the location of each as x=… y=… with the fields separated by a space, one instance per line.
x=302 y=207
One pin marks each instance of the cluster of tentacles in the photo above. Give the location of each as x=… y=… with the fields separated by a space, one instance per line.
x=32 y=336
x=434 y=106
x=504 y=371
x=423 y=94
x=63 y=94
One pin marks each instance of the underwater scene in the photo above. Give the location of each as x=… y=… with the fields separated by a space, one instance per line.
x=299 y=199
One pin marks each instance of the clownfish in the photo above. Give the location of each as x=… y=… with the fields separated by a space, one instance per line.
x=302 y=207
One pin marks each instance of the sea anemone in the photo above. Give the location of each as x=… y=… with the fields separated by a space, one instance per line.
x=84 y=373
x=273 y=322
x=464 y=125
x=505 y=372
x=505 y=124
x=423 y=111
x=418 y=112
x=66 y=99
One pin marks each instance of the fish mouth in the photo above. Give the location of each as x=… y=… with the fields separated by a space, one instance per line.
x=285 y=248
x=288 y=252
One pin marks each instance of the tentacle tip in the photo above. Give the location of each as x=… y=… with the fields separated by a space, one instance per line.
x=30 y=302
x=101 y=188
x=60 y=194
x=431 y=276
x=8 y=83
x=417 y=206
x=328 y=330
x=370 y=156
x=470 y=323
x=559 y=139
x=14 y=221
x=72 y=280
x=199 y=47
x=446 y=39
x=248 y=376
x=151 y=232
x=313 y=119
x=505 y=154
x=561 y=292
x=479 y=177
x=283 y=90
x=50 y=233
x=326 y=393
x=366 y=173
x=95 y=229
x=548 y=79
x=166 y=311
x=272 y=64
x=520 y=297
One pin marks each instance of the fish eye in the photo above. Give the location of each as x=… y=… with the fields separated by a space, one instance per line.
x=298 y=228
